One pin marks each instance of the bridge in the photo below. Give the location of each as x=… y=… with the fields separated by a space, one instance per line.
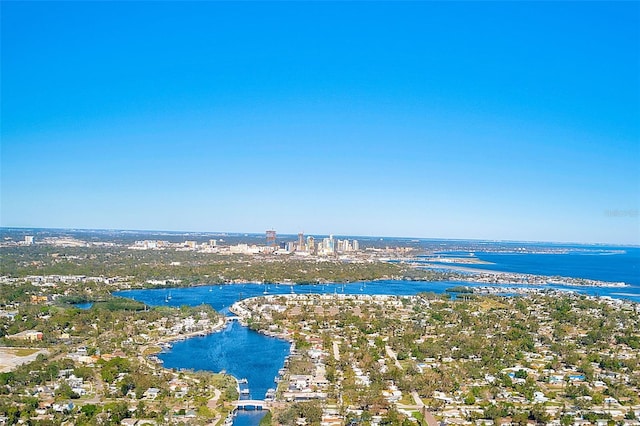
x=251 y=404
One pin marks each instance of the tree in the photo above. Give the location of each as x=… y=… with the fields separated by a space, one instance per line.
x=566 y=420
x=117 y=411
x=89 y=410
x=64 y=391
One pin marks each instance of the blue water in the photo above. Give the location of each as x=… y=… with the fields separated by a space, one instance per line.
x=603 y=266
x=243 y=353
x=223 y=296
x=247 y=354
x=83 y=306
x=248 y=418
x=613 y=264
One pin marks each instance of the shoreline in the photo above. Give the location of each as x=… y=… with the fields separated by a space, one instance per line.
x=218 y=327
x=486 y=274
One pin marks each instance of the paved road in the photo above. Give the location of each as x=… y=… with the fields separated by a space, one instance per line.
x=417 y=399
x=393 y=356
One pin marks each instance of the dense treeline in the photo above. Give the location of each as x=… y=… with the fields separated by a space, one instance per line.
x=193 y=267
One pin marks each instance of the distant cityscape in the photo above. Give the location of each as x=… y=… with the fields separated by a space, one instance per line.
x=302 y=246
x=308 y=246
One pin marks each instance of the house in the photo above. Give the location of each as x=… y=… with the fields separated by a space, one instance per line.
x=37 y=299
x=62 y=407
x=151 y=393
x=28 y=335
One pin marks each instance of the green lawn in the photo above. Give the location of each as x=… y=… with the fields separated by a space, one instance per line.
x=24 y=351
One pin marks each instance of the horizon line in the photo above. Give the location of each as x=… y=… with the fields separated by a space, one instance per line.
x=341 y=235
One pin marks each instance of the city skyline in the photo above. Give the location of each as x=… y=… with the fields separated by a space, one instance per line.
x=487 y=121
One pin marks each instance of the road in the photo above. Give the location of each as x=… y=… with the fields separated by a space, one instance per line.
x=393 y=356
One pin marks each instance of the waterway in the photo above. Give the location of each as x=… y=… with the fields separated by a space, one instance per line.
x=604 y=263
x=243 y=353
x=221 y=297
x=247 y=354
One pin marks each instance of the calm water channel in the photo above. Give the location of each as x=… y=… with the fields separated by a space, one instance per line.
x=241 y=352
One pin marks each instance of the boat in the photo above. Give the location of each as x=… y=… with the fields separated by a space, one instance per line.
x=270 y=395
x=242 y=381
x=244 y=392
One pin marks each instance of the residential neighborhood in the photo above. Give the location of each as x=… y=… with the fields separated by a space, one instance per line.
x=493 y=360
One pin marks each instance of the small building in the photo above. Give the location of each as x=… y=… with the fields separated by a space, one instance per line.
x=28 y=335
x=151 y=393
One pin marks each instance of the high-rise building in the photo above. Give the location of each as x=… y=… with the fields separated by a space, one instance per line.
x=301 y=241
x=356 y=245
x=271 y=238
x=28 y=239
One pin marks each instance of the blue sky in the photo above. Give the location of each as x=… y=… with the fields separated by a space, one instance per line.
x=487 y=120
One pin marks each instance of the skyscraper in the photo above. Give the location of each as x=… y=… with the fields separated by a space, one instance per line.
x=271 y=238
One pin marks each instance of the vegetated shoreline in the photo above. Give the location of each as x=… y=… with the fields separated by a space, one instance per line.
x=483 y=276
x=477 y=276
x=472 y=275
x=218 y=327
